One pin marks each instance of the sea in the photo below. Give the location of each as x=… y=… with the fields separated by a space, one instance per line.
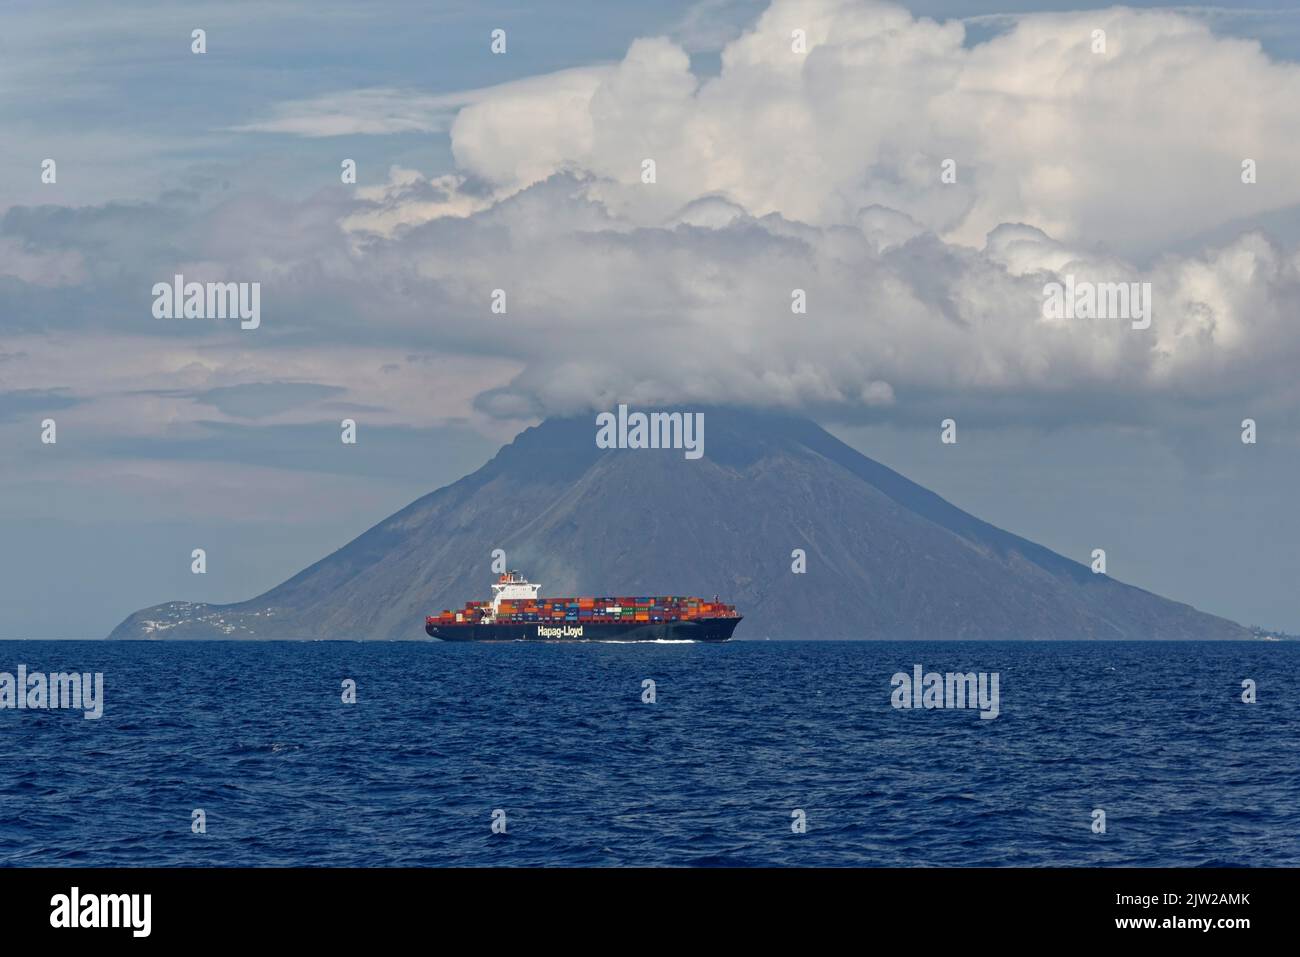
x=750 y=753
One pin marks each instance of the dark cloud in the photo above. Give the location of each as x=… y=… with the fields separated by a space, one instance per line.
x=381 y=452
x=34 y=403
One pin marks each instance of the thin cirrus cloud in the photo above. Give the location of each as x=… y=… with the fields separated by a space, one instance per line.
x=258 y=400
x=382 y=111
x=371 y=112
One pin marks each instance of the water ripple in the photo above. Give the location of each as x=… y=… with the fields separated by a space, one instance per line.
x=740 y=736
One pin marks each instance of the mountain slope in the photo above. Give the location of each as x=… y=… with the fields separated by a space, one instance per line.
x=885 y=557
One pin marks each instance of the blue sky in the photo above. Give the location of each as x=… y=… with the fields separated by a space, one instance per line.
x=520 y=170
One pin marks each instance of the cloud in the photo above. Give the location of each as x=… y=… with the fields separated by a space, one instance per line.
x=408 y=198
x=1092 y=147
x=380 y=111
x=817 y=172
x=257 y=400
x=377 y=111
x=47 y=268
x=20 y=403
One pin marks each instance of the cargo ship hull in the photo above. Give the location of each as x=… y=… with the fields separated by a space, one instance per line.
x=696 y=629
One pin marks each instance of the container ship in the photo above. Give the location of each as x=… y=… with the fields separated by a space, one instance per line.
x=517 y=613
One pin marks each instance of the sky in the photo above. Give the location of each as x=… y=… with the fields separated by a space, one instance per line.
x=921 y=171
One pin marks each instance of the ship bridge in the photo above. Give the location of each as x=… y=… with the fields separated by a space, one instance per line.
x=510 y=587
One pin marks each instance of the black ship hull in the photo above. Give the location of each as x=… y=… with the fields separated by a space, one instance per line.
x=698 y=629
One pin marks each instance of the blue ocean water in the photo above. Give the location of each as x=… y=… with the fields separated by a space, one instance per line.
x=740 y=735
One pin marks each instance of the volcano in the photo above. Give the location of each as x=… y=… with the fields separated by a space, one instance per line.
x=884 y=557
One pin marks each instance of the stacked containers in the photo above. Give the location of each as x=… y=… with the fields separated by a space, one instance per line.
x=604 y=609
